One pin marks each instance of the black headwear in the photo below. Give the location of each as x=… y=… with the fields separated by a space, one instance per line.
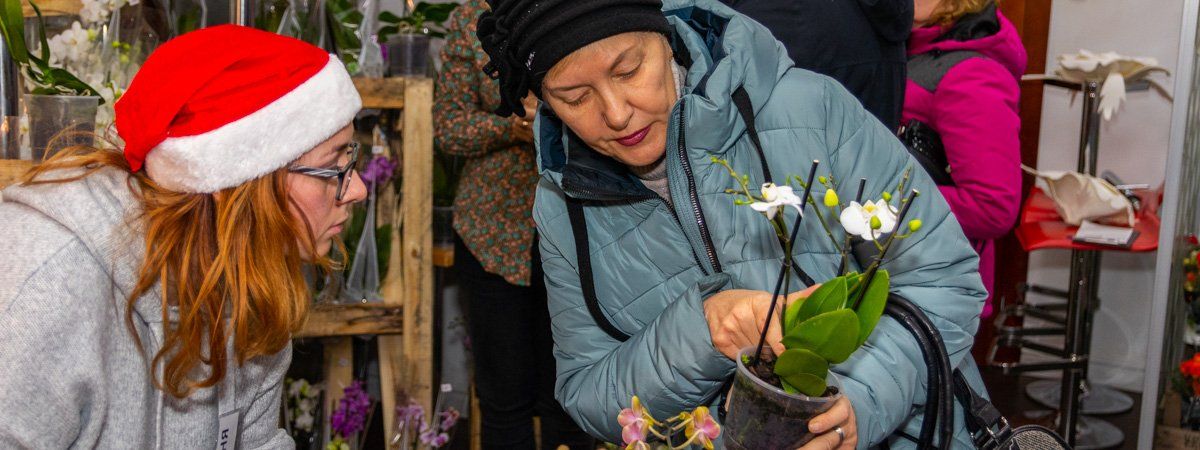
x=525 y=38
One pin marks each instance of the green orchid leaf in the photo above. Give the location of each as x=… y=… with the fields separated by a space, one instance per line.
x=41 y=32
x=815 y=303
x=787 y=387
x=44 y=91
x=388 y=16
x=790 y=314
x=832 y=335
x=438 y=13
x=872 y=305
x=799 y=360
x=807 y=384
x=65 y=79
x=12 y=26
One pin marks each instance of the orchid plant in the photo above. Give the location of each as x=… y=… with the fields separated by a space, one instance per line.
x=639 y=428
x=301 y=407
x=350 y=418
x=835 y=320
x=415 y=432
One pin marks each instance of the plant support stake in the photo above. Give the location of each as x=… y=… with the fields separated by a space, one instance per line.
x=785 y=270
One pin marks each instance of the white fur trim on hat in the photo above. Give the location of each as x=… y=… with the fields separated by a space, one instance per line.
x=261 y=142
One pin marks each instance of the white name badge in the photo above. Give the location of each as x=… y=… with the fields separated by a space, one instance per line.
x=227 y=433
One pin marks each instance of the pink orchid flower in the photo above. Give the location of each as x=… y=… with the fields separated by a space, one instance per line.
x=703 y=429
x=635 y=423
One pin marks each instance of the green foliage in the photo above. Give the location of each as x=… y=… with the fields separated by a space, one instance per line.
x=345 y=20
x=270 y=15
x=47 y=80
x=825 y=329
x=802 y=371
x=424 y=18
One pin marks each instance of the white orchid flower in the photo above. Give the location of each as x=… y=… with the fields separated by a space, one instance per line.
x=870 y=220
x=776 y=196
x=305 y=422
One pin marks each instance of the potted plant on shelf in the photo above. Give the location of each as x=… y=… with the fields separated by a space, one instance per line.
x=774 y=396
x=407 y=38
x=59 y=101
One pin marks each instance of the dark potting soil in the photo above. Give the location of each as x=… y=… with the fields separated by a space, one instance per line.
x=765 y=371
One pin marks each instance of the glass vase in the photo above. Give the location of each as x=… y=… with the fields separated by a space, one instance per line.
x=59 y=121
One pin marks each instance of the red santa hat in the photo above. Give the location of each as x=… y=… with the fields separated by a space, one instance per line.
x=217 y=107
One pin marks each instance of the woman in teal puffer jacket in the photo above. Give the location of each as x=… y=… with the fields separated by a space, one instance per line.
x=629 y=124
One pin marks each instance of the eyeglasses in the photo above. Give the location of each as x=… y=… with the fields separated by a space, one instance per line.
x=343 y=174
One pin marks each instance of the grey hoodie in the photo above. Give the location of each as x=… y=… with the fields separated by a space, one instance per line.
x=71 y=373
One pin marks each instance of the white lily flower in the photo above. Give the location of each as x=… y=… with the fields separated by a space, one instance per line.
x=857 y=219
x=776 y=196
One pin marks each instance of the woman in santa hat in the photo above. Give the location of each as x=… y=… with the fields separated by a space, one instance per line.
x=148 y=295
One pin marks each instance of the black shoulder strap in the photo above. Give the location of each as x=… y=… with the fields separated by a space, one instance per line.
x=584 y=258
x=741 y=99
x=928 y=69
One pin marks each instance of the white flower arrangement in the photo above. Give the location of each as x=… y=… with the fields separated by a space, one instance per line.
x=302 y=402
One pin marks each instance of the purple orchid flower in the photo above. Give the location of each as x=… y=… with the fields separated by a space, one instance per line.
x=378 y=171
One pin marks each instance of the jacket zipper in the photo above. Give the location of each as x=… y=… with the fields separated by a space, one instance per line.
x=705 y=237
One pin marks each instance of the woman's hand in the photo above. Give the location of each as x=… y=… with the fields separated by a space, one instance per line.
x=826 y=425
x=736 y=317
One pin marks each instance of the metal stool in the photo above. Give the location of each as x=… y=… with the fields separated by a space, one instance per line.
x=1042 y=228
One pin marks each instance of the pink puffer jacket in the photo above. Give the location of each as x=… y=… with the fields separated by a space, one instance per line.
x=974 y=109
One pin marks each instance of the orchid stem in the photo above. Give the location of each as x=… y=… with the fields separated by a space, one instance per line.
x=862 y=184
x=785 y=271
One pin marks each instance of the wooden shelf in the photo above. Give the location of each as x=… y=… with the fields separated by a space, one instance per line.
x=381 y=93
x=53 y=7
x=352 y=319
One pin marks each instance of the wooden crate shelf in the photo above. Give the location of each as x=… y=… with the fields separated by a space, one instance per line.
x=351 y=320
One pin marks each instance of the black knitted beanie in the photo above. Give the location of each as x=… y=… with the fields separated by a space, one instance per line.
x=525 y=38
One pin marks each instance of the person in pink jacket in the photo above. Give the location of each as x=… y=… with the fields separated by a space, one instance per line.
x=973 y=108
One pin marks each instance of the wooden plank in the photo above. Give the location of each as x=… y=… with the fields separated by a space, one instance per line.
x=350 y=320
x=11 y=170
x=417 y=239
x=53 y=7
x=381 y=93
x=407 y=361
x=339 y=373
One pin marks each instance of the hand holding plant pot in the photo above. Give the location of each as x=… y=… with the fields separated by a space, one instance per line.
x=775 y=395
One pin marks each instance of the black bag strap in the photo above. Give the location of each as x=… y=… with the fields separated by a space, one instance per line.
x=939 y=406
x=584 y=259
x=741 y=99
x=989 y=428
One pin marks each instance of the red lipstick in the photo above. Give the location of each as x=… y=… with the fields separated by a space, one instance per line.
x=635 y=138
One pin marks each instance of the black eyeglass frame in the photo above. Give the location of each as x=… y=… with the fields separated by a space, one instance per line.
x=343 y=174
